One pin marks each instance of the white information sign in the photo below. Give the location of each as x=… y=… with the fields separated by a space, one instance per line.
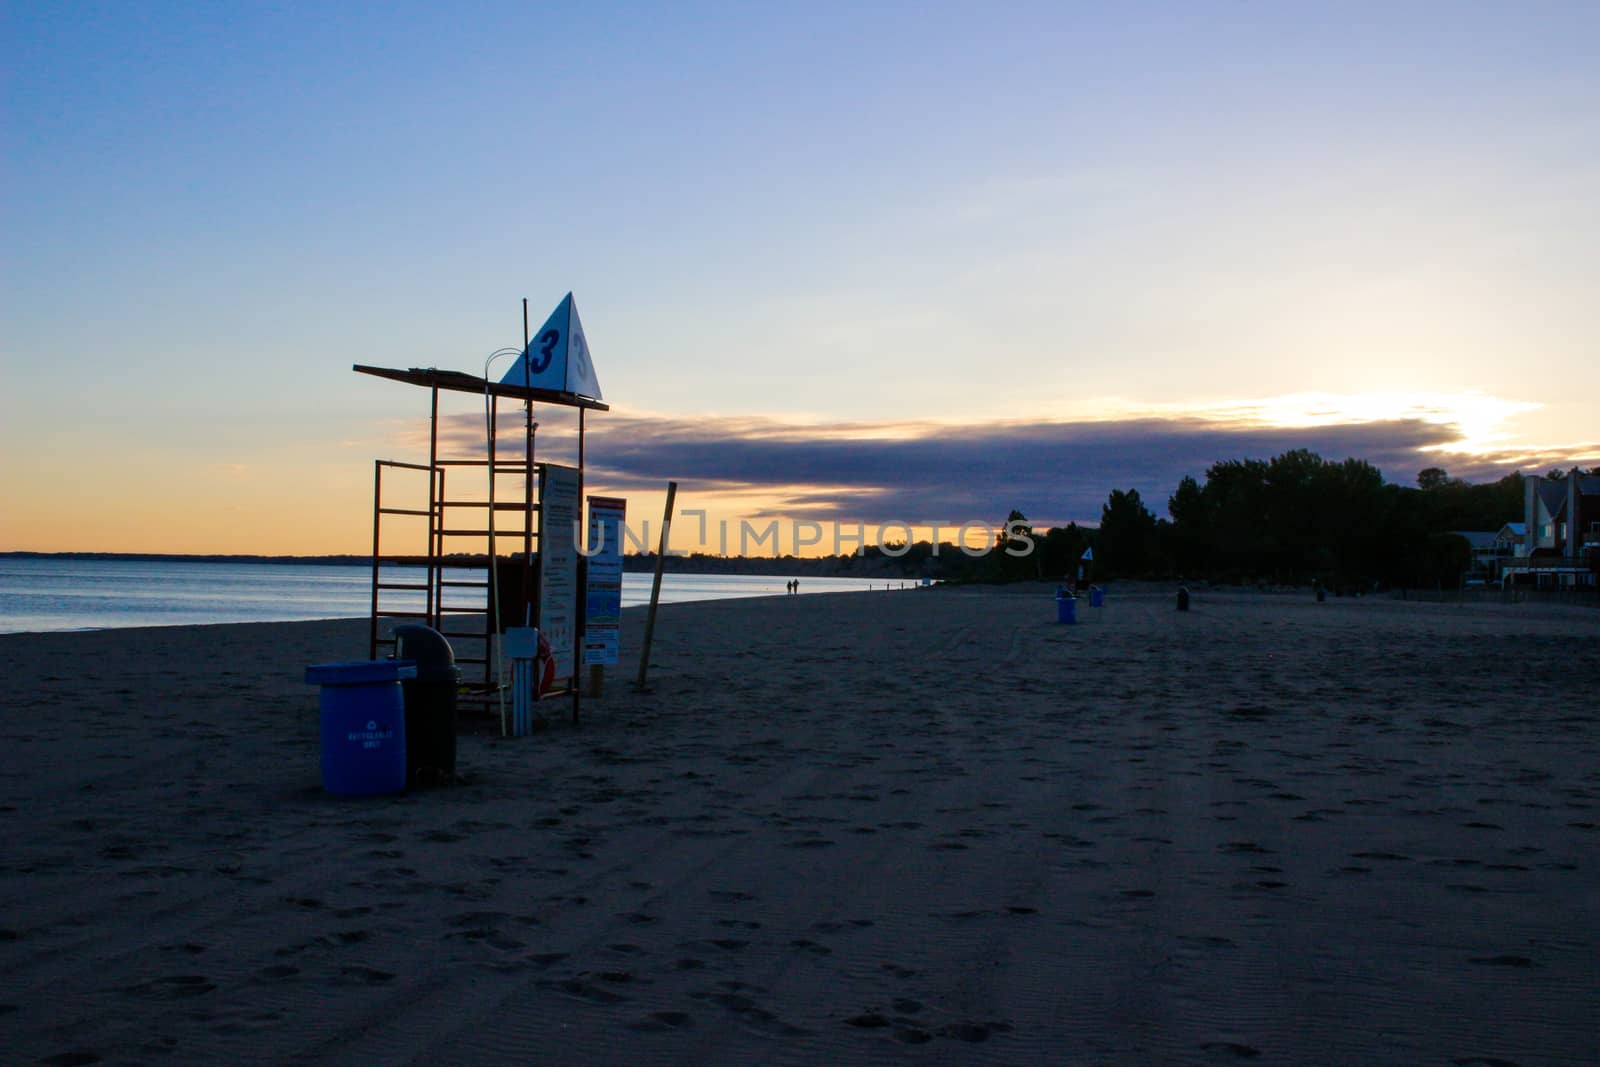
x=558 y=563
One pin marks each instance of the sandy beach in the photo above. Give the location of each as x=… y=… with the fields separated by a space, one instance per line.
x=927 y=826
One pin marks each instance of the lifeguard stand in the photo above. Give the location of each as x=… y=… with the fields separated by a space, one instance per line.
x=456 y=535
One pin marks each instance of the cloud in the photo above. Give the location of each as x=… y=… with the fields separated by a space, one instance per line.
x=920 y=472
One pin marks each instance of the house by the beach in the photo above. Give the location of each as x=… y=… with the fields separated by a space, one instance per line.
x=1490 y=549
x=1560 y=537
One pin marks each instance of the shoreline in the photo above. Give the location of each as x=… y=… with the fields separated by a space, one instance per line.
x=187 y=600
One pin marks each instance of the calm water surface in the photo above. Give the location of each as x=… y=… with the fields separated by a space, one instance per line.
x=40 y=595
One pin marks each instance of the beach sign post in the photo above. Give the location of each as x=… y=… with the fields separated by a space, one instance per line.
x=558 y=565
x=655 y=587
x=602 y=631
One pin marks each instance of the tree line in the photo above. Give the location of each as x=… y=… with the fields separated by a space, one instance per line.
x=1294 y=518
x=1298 y=517
x=1291 y=519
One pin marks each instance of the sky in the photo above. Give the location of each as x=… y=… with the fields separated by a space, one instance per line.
x=881 y=262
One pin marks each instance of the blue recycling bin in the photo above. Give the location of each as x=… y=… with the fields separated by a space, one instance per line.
x=1097 y=597
x=1066 y=609
x=363 y=725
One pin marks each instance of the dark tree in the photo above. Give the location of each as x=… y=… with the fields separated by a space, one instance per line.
x=1192 y=531
x=1433 y=478
x=1127 y=533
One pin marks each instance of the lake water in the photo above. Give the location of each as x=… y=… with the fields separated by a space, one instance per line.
x=42 y=594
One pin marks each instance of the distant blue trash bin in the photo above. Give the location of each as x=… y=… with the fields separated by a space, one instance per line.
x=363 y=725
x=1097 y=597
x=1066 y=609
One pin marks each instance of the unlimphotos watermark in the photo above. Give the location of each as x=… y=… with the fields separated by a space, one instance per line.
x=893 y=538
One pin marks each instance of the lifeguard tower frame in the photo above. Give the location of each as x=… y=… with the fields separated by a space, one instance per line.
x=499 y=583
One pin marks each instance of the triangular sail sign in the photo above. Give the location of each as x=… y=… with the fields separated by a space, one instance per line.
x=1088 y=554
x=558 y=356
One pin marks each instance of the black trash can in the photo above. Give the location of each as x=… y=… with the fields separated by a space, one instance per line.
x=1183 y=605
x=430 y=704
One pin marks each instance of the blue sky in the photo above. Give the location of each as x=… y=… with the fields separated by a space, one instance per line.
x=829 y=216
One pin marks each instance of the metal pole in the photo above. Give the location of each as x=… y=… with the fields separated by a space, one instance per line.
x=577 y=632
x=582 y=620
x=435 y=592
x=655 y=587
x=377 y=513
x=528 y=617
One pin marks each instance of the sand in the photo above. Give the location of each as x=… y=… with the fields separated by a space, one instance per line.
x=927 y=827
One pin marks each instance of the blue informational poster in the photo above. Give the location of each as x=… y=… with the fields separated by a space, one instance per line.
x=602 y=636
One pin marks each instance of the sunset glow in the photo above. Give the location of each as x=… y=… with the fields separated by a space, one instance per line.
x=821 y=276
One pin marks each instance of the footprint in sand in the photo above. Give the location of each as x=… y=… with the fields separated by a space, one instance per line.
x=577 y=987
x=443 y=837
x=187 y=948
x=175 y=987
x=1229 y=1050
x=663 y=1020
x=366 y=975
x=547 y=959
x=751 y=1013
x=729 y=896
x=973 y=1032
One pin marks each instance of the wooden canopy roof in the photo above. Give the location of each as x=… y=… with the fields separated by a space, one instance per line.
x=461 y=382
